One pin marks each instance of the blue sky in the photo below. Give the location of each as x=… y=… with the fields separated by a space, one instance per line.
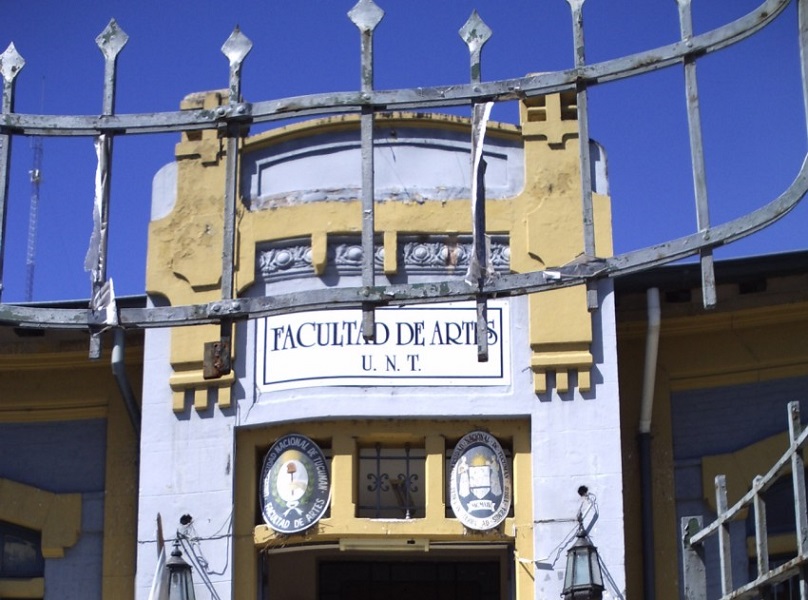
x=752 y=108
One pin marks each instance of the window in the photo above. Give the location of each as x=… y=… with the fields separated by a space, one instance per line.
x=21 y=556
x=391 y=482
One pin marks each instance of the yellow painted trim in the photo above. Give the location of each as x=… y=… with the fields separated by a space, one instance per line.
x=225 y=397
x=540 y=382
x=522 y=522
x=52 y=386
x=33 y=361
x=343 y=496
x=41 y=415
x=22 y=588
x=547 y=230
x=390 y=252
x=319 y=252
x=584 y=380
x=562 y=381
x=180 y=381
x=56 y=516
x=434 y=476
x=71 y=354
x=557 y=359
x=766 y=316
x=200 y=398
x=120 y=504
x=783 y=543
x=739 y=376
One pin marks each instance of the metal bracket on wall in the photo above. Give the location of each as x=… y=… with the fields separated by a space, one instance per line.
x=216 y=360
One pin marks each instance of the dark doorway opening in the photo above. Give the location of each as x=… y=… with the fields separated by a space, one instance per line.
x=409 y=580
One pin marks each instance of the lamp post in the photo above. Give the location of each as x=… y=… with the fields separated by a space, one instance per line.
x=583 y=579
x=180 y=579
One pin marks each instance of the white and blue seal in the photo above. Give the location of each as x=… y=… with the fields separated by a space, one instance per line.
x=480 y=481
x=295 y=486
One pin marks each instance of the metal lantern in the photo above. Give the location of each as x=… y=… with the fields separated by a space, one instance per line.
x=180 y=579
x=583 y=579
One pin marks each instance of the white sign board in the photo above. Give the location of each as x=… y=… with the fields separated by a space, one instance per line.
x=431 y=345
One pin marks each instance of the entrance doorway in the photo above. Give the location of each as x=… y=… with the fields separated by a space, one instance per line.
x=409 y=580
x=453 y=571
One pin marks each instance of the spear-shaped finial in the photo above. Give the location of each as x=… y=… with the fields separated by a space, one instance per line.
x=475 y=33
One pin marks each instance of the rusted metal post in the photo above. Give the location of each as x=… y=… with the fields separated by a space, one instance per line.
x=697 y=156
x=110 y=41
x=798 y=479
x=695 y=575
x=366 y=15
x=724 y=545
x=583 y=142
x=476 y=33
x=10 y=65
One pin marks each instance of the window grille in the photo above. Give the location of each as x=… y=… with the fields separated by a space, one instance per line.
x=391 y=482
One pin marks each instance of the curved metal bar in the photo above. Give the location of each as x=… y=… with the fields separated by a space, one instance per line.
x=432 y=97
x=515 y=284
x=714 y=236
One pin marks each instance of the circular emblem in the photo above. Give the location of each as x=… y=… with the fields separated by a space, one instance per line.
x=295 y=488
x=480 y=481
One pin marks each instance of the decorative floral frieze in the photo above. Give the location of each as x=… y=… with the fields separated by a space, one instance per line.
x=292 y=260
x=417 y=256
x=348 y=257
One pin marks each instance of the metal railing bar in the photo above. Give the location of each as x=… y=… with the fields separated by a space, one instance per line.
x=475 y=33
x=10 y=65
x=697 y=156
x=401 y=99
x=761 y=532
x=724 y=547
x=366 y=15
x=244 y=308
x=236 y=48
x=110 y=41
x=584 y=160
x=716 y=235
x=777 y=575
x=478 y=265
x=759 y=486
x=798 y=481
